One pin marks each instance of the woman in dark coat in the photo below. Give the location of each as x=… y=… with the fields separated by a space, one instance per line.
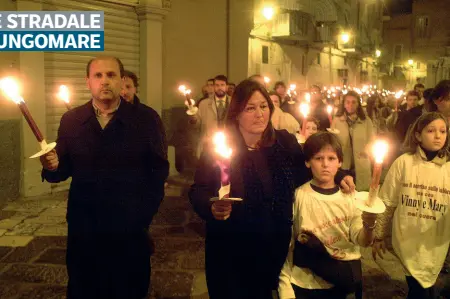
x=247 y=242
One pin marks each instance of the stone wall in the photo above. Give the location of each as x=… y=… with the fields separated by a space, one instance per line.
x=10 y=162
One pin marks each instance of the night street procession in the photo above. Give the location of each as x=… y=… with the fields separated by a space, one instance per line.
x=224 y=149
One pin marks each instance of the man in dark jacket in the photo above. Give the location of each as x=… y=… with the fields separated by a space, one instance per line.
x=318 y=108
x=116 y=154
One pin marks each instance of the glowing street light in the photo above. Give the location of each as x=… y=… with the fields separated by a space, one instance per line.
x=268 y=12
x=377 y=53
x=410 y=62
x=345 y=37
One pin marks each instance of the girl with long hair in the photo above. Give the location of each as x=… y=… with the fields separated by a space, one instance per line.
x=416 y=193
x=356 y=132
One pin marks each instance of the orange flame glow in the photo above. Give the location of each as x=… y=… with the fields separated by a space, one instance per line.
x=380 y=149
x=304 y=109
x=10 y=88
x=221 y=147
x=64 y=93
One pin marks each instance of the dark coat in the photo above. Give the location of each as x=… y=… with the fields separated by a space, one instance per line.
x=320 y=113
x=405 y=120
x=118 y=176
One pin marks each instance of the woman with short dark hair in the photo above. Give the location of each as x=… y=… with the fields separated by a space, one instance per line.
x=247 y=241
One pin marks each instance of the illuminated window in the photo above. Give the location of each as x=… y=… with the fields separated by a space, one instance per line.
x=265 y=54
x=422 y=26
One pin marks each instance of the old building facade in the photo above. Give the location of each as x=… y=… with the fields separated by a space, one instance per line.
x=305 y=42
x=416 y=45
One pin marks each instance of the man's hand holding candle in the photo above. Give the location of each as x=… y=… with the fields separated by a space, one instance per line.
x=50 y=161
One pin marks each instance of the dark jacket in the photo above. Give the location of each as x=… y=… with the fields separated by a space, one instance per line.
x=245 y=253
x=136 y=100
x=117 y=173
x=118 y=176
x=405 y=120
x=320 y=113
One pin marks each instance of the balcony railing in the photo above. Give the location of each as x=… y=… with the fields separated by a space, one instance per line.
x=291 y=24
x=324 y=33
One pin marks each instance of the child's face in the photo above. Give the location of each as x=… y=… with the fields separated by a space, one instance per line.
x=433 y=136
x=324 y=165
x=311 y=128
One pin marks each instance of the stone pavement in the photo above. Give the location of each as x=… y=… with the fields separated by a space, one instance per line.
x=32 y=252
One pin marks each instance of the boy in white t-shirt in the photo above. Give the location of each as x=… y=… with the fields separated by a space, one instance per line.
x=324 y=257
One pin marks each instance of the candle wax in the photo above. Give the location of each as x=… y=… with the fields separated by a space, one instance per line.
x=34 y=128
x=373 y=191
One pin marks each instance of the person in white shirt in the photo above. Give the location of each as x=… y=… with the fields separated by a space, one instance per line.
x=416 y=193
x=324 y=258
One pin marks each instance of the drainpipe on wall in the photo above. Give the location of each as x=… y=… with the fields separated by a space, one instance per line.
x=331 y=68
x=227 y=24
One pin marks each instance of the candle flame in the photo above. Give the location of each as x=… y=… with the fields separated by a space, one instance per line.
x=64 y=94
x=380 y=149
x=184 y=90
x=267 y=80
x=308 y=97
x=329 y=109
x=304 y=109
x=398 y=94
x=292 y=87
x=10 y=88
x=219 y=140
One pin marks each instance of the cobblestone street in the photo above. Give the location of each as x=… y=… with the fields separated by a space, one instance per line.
x=32 y=252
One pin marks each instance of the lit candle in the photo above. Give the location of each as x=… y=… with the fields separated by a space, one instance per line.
x=224 y=152
x=308 y=97
x=292 y=93
x=398 y=95
x=64 y=95
x=304 y=109
x=186 y=92
x=266 y=80
x=380 y=149
x=11 y=89
x=330 y=111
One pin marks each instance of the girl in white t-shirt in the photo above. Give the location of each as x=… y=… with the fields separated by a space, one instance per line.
x=416 y=192
x=324 y=257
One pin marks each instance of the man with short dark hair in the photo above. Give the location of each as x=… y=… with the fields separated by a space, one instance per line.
x=116 y=154
x=412 y=99
x=129 y=87
x=212 y=111
x=420 y=88
x=231 y=87
x=210 y=87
